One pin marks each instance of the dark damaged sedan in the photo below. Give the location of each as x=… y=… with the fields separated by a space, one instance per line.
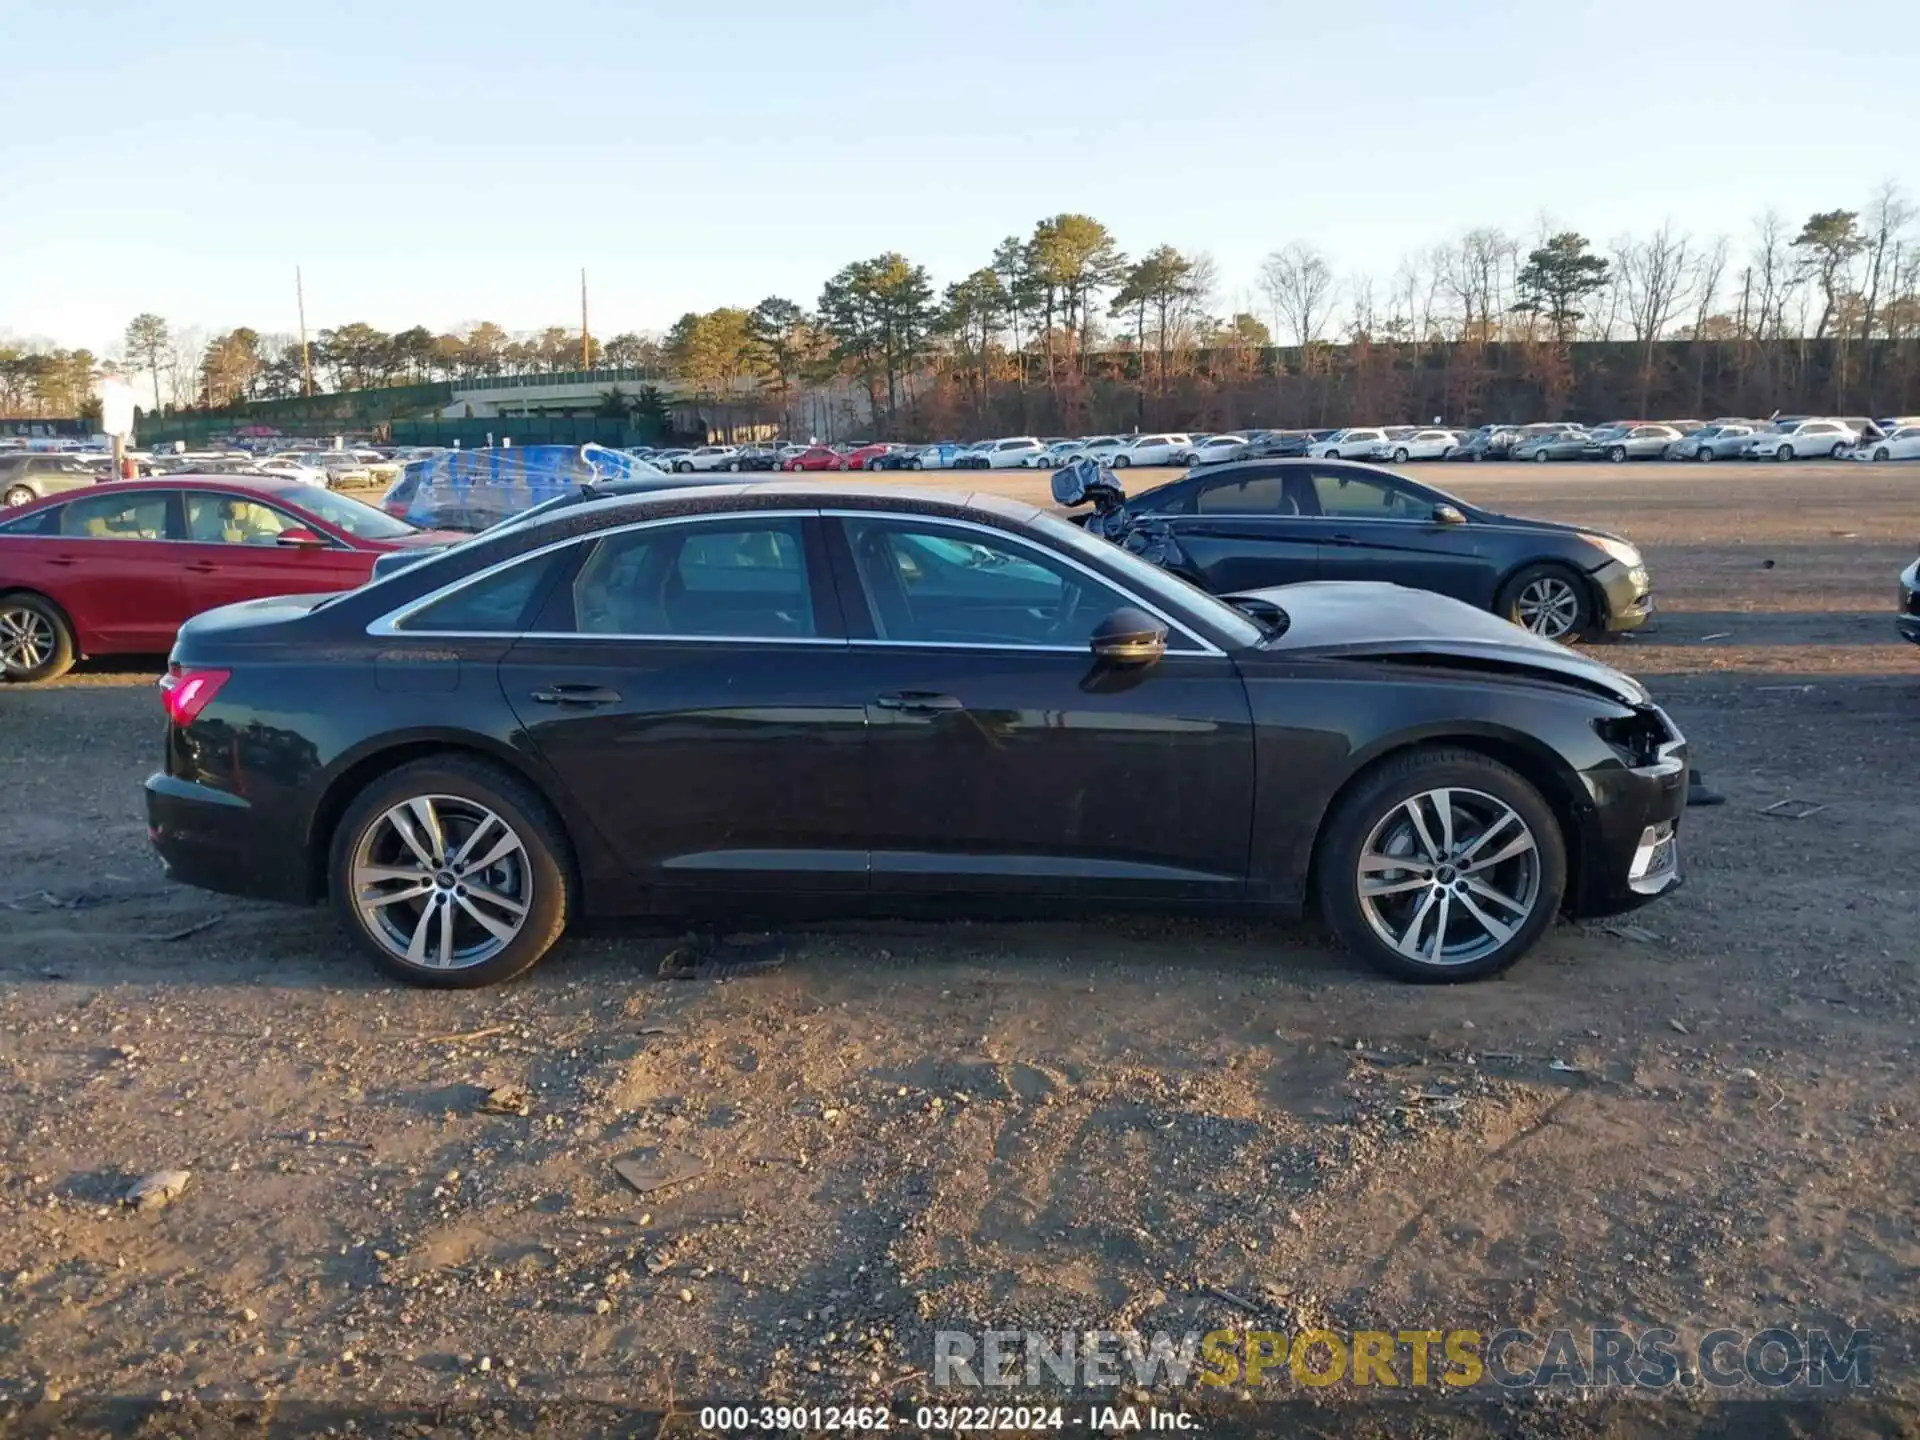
x=1276 y=522
x=778 y=697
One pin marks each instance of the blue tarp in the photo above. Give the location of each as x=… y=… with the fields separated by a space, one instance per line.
x=472 y=489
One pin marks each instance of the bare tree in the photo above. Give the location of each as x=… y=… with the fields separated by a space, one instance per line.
x=1654 y=276
x=1360 y=316
x=1887 y=219
x=1298 y=283
x=1709 y=265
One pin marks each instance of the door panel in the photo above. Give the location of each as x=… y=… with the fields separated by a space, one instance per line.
x=1249 y=532
x=1003 y=757
x=231 y=554
x=692 y=686
x=115 y=571
x=1374 y=530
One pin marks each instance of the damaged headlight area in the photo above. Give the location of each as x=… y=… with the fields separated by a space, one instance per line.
x=1644 y=740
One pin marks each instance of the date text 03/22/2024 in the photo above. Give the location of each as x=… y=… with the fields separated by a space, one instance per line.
x=944 y=1419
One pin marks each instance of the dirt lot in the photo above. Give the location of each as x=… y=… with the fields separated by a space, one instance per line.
x=1703 y=1119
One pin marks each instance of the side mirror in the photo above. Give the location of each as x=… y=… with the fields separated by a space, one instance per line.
x=1448 y=515
x=294 y=538
x=1129 y=637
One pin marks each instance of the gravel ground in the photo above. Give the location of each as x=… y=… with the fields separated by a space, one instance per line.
x=1702 y=1118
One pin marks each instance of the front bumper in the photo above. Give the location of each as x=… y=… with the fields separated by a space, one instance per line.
x=1630 y=847
x=212 y=840
x=1626 y=593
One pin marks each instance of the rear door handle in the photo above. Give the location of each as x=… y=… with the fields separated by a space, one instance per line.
x=919 y=702
x=577 y=695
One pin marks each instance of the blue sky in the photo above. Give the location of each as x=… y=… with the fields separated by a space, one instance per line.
x=448 y=163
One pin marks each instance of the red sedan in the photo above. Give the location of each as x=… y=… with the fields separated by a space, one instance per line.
x=814 y=457
x=118 y=568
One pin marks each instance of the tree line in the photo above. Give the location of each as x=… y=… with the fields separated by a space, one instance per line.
x=1060 y=329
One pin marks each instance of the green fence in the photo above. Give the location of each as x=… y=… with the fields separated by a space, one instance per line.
x=524 y=430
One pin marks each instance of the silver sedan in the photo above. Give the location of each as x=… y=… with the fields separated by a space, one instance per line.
x=1714 y=442
x=32 y=476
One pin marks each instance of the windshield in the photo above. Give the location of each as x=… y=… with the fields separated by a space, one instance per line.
x=356 y=517
x=1152 y=581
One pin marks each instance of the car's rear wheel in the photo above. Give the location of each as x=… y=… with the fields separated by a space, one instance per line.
x=1441 y=866
x=1400 y=456
x=453 y=874
x=1548 y=600
x=18 y=495
x=1617 y=453
x=36 y=643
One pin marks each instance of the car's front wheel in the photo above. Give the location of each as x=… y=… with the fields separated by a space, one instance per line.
x=1539 y=457
x=914 y=463
x=452 y=872
x=1548 y=600
x=36 y=643
x=1839 y=449
x=1617 y=454
x=1705 y=457
x=18 y=495
x=1120 y=462
x=1440 y=866
x=1400 y=456
x=682 y=467
x=1882 y=453
x=1785 y=452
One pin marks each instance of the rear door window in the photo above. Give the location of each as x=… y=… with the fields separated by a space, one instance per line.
x=119 y=516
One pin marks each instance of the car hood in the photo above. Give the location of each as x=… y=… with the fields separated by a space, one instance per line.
x=1371 y=621
x=1558 y=527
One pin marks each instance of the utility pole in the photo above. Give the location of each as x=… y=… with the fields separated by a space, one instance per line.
x=306 y=356
x=586 y=344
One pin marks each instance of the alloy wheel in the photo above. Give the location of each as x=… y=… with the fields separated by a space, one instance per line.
x=1549 y=607
x=18 y=495
x=1705 y=457
x=441 y=882
x=26 y=639
x=1448 y=876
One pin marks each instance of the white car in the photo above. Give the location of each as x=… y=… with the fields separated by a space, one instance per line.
x=293 y=470
x=706 y=457
x=1102 y=447
x=1219 y=449
x=1150 y=450
x=1900 y=444
x=1060 y=454
x=1802 y=440
x=1348 y=444
x=1420 y=445
x=1012 y=454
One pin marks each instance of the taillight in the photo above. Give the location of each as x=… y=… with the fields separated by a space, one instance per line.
x=186 y=693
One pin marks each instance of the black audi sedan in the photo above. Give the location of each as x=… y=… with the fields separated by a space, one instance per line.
x=1240 y=526
x=774 y=696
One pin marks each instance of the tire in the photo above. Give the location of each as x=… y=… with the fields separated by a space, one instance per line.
x=1839 y=449
x=841 y=467
x=1882 y=453
x=18 y=495
x=1400 y=455
x=1550 y=601
x=914 y=463
x=733 y=466
x=1120 y=462
x=1617 y=454
x=1783 y=454
x=1539 y=457
x=36 y=642
x=1705 y=457
x=681 y=467
x=537 y=872
x=1332 y=455
x=1372 y=826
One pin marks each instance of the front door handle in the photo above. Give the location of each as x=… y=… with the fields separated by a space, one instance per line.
x=919 y=702
x=577 y=695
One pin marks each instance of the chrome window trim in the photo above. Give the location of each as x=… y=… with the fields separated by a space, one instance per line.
x=387 y=626
x=1207 y=647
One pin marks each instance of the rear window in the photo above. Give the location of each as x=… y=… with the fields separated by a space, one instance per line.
x=39 y=522
x=500 y=604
